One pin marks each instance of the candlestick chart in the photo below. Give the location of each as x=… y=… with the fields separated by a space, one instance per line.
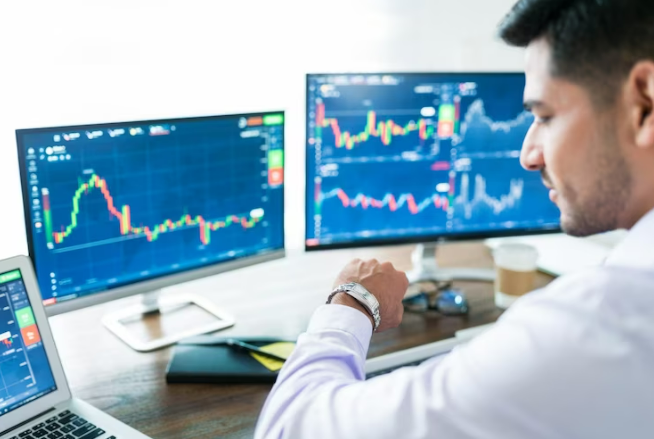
x=123 y=216
x=420 y=155
x=154 y=201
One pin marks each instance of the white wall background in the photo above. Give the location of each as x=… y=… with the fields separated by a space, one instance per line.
x=75 y=62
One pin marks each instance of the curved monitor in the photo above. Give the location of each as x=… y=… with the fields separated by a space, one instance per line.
x=125 y=208
x=399 y=158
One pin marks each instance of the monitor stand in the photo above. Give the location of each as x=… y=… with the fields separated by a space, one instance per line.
x=152 y=314
x=425 y=268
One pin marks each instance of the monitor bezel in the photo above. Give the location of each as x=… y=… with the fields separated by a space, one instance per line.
x=414 y=239
x=159 y=281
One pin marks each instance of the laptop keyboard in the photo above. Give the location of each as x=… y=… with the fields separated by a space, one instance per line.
x=65 y=425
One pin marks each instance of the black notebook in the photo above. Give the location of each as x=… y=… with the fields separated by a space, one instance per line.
x=220 y=364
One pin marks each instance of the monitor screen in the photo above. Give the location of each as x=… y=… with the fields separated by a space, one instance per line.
x=395 y=158
x=114 y=204
x=25 y=373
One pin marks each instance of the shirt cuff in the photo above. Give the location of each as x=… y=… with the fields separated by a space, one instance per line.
x=343 y=318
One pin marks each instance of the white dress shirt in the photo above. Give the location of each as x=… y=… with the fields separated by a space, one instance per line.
x=573 y=360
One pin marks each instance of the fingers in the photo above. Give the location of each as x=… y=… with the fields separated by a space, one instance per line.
x=358 y=269
x=372 y=262
x=390 y=267
x=405 y=279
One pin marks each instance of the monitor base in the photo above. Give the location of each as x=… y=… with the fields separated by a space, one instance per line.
x=426 y=269
x=154 y=305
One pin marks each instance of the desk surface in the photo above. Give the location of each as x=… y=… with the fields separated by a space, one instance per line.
x=131 y=386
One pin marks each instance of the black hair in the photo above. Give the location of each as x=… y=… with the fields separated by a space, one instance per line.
x=594 y=43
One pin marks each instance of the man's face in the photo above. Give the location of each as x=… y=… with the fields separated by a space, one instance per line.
x=575 y=146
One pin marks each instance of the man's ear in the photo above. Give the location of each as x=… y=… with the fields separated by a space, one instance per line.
x=640 y=101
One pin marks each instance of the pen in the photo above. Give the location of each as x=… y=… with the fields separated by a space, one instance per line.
x=216 y=341
x=252 y=348
x=212 y=340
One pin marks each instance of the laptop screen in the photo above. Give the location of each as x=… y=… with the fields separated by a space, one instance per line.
x=25 y=373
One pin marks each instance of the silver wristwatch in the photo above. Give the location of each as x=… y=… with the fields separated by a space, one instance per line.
x=363 y=296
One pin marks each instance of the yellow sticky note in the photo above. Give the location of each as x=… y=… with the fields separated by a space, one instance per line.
x=283 y=349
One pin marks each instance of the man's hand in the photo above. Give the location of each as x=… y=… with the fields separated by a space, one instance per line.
x=386 y=283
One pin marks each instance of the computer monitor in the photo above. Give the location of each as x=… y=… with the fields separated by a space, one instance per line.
x=118 y=209
x=418 y=158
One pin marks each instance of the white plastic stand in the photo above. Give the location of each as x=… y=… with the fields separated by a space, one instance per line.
x=425 y=268
x=152 y=303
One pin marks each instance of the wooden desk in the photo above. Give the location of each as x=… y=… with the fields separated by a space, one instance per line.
x=274 y=299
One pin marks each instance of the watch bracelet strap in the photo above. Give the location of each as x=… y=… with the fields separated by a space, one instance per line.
x=338 y=290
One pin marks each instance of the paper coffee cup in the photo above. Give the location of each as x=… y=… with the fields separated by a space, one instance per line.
x=515 y=269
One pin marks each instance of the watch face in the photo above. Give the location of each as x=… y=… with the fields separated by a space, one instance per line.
x=364 y=297
x=370 y=298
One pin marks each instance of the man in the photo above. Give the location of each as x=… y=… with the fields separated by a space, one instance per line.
x=574 y=360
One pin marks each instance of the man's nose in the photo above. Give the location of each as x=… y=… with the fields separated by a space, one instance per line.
x=531 y=156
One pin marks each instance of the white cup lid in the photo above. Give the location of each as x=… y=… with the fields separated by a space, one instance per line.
x=516 y=256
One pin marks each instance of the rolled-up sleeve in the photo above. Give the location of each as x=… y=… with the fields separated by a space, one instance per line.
x=329 y=356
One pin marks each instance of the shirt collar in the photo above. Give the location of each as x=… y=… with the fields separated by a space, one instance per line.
x=637 y=248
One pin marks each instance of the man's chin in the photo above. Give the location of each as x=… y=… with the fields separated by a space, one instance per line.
x=570 y=224
x=582 y=227
x=571 y=230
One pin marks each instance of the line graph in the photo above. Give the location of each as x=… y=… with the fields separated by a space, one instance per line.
x=497 y=205
x=478 y=111
x=497 y=192
x=124 y=217
x=478 y=130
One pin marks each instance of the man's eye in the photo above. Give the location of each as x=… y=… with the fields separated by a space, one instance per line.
x=542 y=120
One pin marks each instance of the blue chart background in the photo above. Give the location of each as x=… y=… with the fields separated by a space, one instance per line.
x=491 y=147
x=410 y=178
x=478 y=136
x=532 y=210
x=12 y=373
x=9 y=364
x=201 y=168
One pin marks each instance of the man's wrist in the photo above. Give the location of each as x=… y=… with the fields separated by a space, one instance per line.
x=347 y=300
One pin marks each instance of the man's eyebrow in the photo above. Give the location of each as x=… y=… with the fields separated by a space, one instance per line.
x=531 y=104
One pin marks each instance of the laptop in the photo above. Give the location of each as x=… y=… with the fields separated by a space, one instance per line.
x=35 y=401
